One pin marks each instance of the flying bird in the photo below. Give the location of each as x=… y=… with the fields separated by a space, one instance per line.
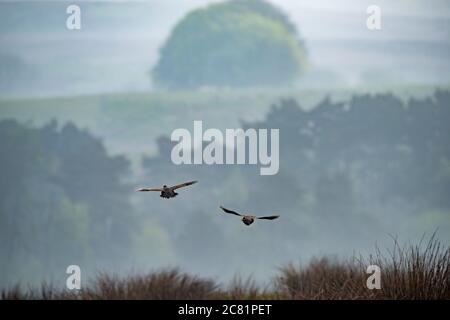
x=168 y=192
x=247 y=219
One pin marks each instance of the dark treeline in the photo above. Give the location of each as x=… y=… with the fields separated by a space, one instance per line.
x=395 y=150
x=60 y=201
x=350 y=174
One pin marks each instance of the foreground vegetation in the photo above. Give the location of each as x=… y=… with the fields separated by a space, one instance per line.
x=408 y=272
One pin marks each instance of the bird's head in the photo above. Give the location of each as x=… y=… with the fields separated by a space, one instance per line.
x=164 y=186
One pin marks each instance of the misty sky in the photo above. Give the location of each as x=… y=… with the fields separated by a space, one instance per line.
x=119 y=43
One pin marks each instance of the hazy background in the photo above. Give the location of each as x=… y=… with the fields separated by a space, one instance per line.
x=364 y=141
x=119 y=43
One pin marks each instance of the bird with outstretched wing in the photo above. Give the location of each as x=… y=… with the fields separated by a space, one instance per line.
x=168 y=192
x=249 y=219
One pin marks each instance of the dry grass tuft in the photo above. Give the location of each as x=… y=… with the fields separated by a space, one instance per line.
x=411 y=272
x=171 y=284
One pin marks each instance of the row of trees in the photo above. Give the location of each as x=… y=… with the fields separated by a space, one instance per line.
x=61 y=202
x=349 y=174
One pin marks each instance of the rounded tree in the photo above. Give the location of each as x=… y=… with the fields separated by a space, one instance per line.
x=240 y=43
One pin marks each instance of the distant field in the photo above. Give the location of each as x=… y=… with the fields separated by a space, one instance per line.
x=130 y=123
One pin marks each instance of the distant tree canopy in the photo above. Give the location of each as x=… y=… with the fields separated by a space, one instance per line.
x=61 y=200
x=346 y=169
x=239 y=43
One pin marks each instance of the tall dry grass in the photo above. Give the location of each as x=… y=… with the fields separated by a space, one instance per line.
x=410 y=272
x=415 y=272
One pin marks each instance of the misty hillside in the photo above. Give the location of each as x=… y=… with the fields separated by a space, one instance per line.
x=350 y=174
x=119 y=44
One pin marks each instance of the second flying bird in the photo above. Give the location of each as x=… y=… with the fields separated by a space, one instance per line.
x=168 y=192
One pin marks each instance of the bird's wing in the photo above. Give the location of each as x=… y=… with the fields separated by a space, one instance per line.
x=147 y=189
x=230 y=211
x=268 y=217
x=183 y=185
